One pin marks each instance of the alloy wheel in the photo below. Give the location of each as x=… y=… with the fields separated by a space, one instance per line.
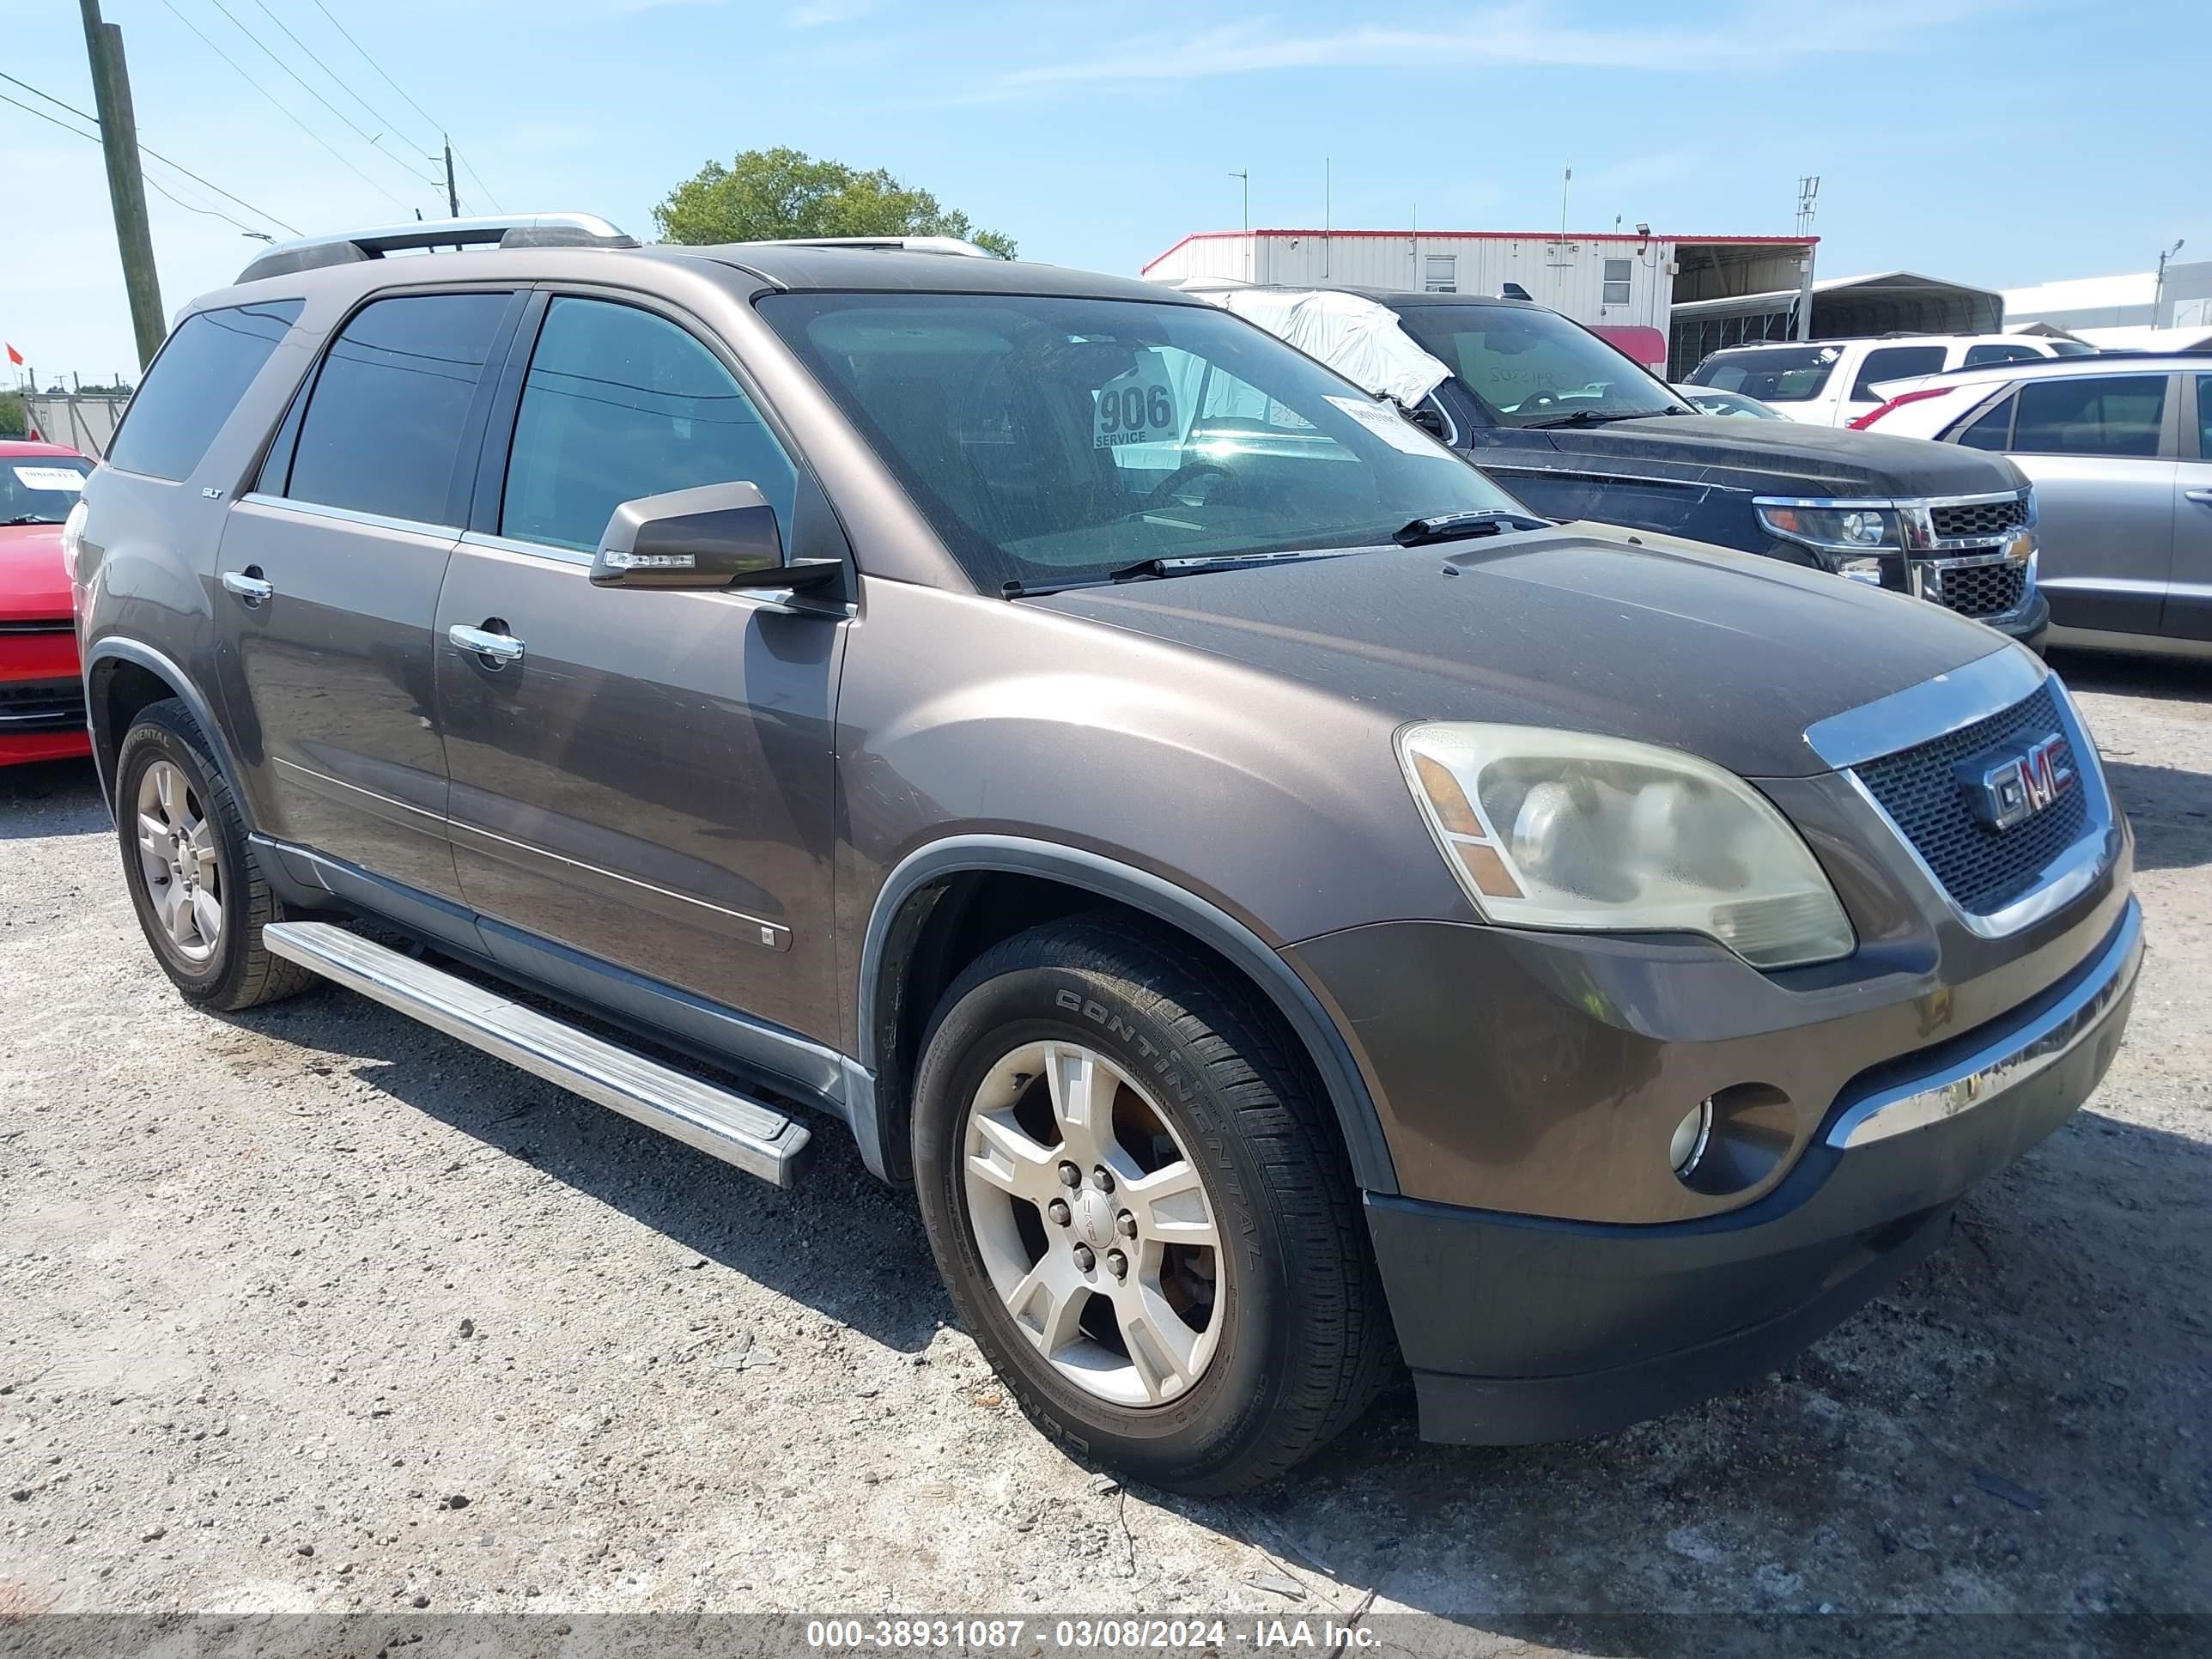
x=181 y=861
x=1094 y=1223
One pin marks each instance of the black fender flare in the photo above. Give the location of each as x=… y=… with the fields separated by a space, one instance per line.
x=122 y=649
x=1348 y=1093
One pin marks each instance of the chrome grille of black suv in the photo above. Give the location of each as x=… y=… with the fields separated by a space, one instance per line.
x=1984 y=590
x=1982 y=869
x=1968 y=520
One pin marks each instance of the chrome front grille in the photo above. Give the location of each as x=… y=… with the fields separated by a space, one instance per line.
x=1975 y=520
x=1981 y=868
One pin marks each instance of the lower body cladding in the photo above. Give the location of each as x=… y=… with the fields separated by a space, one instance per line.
x=1523 y=1328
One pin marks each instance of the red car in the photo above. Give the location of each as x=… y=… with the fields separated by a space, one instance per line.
x=41 y=691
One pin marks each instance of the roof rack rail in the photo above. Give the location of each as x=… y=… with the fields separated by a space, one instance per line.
x=952 y=245
x=505 y=230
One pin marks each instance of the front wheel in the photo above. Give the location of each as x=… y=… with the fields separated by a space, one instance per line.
x=1138 y=1203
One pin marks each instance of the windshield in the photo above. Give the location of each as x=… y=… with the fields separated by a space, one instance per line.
x=1529 y=367
x=1051 y=441
x=1711 y=400
x=1773 y=374
x=39 y=488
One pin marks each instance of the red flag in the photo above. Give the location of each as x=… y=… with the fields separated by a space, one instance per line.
x=15 y=356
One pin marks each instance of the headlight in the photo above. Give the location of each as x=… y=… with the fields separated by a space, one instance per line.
x=73 y=536
x=1564 y=829
x=1842 y=529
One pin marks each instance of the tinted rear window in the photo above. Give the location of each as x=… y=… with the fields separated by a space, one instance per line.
x=383 y=427
x=1977 y=355
x=2104 y=415
x=1773 y=374
x=1895 y=363
x=194 y=385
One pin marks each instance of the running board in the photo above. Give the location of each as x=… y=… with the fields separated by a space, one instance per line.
x=758 y=1139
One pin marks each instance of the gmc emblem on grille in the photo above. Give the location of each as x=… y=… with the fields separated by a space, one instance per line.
x=2010 y=786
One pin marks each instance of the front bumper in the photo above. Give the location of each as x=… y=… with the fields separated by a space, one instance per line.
x=1521 y=1328
x=2031 y=625
x=42 y=711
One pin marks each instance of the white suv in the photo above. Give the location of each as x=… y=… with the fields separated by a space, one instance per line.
x=1831 y=382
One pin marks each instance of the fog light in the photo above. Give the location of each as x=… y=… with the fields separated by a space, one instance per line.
x=1691 y=1136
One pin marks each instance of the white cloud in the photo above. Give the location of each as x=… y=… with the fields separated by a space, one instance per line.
x=820 y=13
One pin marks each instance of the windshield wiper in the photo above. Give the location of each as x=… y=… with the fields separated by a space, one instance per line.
x=1591 y=417
x=1198 y=564
x=1459 y=526
x=28 y=518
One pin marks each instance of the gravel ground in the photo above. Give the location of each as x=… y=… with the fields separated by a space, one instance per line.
x=312 y=1310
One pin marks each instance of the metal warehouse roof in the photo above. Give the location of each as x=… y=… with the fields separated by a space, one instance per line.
x=2137 y=288
x=1491 y=236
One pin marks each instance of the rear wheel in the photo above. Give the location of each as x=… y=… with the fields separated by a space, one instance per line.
x=1140 y=1205
x=193 y=879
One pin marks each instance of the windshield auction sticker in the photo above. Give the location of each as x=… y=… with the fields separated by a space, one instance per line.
x=49 y=478
x=1137 y=407
x=1386 y=423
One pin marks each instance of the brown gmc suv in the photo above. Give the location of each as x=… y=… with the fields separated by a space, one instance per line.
x=1266 y=892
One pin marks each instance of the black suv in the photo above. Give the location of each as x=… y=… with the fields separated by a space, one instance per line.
x=1578 y=430
x=1262 y=893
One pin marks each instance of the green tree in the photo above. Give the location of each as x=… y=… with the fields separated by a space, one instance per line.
x=14 y=421
x=767 y=193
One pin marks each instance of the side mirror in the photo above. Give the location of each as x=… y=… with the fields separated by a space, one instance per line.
x=714 y=536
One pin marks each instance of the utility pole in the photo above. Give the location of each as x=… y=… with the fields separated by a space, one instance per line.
x=452 y=200
x=126 y=190
x=1244 y=174
x=2158 y=287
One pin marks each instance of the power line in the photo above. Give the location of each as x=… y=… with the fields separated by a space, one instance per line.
x=378 y=67
x=389 y=124
x=350 y=124
x=478 y=182
x=280 y=105
x=147 y=150
x=403 y=91
x=43 y=116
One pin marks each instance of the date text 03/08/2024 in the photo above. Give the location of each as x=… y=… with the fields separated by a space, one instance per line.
x=1030 y=1636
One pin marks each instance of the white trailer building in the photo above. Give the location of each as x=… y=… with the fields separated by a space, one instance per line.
x=1625 y=284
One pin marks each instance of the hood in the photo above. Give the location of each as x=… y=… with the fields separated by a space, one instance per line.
x=1790 y=458
x=34 y=583
x=1730 y=656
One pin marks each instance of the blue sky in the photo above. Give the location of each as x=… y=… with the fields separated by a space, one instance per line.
x=2000 y=144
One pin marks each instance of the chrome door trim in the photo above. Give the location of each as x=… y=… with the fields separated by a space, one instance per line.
x=533 y=550
x=284 y=765
x=347 y=515
x=770 y=935
x=785 y=601
x=1905 y=719
x=2006 y=1061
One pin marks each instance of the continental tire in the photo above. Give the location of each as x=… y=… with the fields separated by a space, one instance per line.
x=1141 y=1207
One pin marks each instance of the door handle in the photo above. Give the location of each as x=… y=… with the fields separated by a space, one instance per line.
x=2201 y=497
x=248 y=584
x=497 y=644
